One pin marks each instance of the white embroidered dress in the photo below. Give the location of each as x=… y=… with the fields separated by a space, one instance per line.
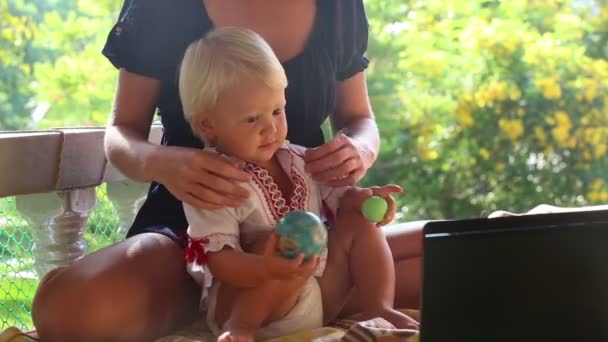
x=259 y=213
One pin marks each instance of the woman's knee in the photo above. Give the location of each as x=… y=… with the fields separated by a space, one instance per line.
x=405 y=239
x=131 y=288
x=65 y=308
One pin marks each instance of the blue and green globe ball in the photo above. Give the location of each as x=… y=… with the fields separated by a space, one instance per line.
x=301 y=232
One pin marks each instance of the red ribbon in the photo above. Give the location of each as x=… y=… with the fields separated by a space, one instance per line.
x=195 y=252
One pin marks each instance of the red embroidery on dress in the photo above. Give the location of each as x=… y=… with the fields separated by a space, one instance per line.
x=300 y=192
x=195 y=252
x=277 y=203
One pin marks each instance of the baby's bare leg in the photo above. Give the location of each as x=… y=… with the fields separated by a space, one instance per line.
x=360 y=260
x=244 y=311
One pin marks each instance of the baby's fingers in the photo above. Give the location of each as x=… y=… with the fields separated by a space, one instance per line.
x=271 y=244
x=297 y=261
x=390 y=212
x=387 y=190
x=310 y=266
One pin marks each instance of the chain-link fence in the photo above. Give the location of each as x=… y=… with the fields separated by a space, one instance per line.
x=18 y=281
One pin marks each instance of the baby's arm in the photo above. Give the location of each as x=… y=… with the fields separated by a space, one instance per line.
x=238 y=269
x=215 y=251
x=247 y=270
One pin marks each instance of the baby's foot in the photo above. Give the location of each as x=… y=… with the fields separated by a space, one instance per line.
x=395 y=317
x=399 y=319
x=236 y=336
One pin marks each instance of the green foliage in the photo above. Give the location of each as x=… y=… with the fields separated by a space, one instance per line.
x=51 y=70
x=481 y=104
x=15 y=32
x=487 y=105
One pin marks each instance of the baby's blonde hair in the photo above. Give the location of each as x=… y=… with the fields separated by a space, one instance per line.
x=217 y=61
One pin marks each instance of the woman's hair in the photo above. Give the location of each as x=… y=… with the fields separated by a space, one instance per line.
x=218 y=61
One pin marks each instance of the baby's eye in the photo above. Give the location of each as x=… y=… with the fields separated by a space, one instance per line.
x=252 y=119
x=278 y=111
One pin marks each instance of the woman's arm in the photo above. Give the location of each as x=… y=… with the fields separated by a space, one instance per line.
x=202 y=179
x=345 y=160
x=354 y=117
x=126 y=139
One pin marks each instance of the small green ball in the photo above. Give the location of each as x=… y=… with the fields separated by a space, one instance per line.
x=374 y=208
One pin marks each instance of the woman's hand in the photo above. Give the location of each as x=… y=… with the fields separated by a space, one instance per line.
x=200 y=178
x=341 y=162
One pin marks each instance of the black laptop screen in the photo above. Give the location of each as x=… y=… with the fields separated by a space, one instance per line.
x=531 y=283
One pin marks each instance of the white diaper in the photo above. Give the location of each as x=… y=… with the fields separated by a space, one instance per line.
x=306 y=314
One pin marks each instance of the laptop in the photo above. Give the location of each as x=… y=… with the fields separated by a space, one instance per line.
x=517 y=279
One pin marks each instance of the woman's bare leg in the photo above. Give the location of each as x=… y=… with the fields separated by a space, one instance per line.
x=405 y=242
x=135 y=290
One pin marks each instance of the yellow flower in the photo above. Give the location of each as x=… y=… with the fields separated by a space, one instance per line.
x=428 y=154
x=463 y=112
x=597 y=184
x=587 y=155
x=499 y=90
x=593 y=135
x=550 y=88
x=513 y=129
x=590 y=91
x=482 y=97
x=572 y=142
x=561 y=132
x=500 y=167
x=514 y=93
x=484 y=153
x=599 y=151
x=539 y=133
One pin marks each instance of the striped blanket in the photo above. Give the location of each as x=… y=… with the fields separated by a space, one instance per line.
x=376 y=329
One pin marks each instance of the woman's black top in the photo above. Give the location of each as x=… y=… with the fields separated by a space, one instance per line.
x=151 y=37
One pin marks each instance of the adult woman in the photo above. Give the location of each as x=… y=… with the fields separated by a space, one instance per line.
x=138 y=289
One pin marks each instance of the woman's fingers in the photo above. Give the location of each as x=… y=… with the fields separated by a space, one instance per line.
x=341 y=171
x=221 y=185
x=332 y=159
x=198 y=203
x=314 y=154
x=220 y=165
x=349 y=180
x=212 y=196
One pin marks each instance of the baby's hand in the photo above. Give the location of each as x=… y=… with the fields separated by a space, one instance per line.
x=387 y=192
x=354 y=197
x=279 y=267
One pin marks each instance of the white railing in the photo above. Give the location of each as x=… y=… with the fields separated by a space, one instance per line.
x=53 y=175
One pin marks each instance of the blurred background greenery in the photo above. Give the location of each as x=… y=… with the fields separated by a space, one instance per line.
x=482 y=104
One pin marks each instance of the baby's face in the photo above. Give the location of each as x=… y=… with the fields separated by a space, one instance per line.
x=249 y=121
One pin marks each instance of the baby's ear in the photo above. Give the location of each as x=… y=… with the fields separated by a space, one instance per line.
x=204 y=127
